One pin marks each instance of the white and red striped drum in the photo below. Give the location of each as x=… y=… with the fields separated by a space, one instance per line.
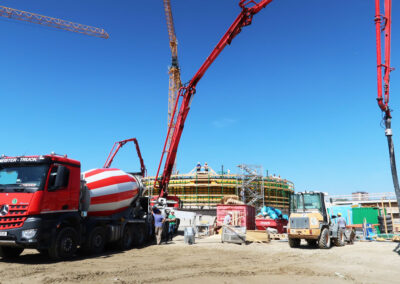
x=111 y=191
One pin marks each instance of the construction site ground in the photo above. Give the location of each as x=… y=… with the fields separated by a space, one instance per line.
x=210 y=261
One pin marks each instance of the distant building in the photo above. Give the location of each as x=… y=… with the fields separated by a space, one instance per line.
x=360 y=196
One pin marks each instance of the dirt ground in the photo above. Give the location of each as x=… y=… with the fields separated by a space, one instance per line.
x=210 y=261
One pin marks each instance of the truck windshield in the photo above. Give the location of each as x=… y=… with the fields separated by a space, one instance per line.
x=305 y=202
x=29 y=178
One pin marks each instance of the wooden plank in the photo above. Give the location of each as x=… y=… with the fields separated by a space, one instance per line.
x=257 y=236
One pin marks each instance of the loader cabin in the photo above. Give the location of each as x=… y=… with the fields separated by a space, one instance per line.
x=305 y=202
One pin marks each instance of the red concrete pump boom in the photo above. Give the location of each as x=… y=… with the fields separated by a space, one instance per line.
x=249 y=9
x=383 y=25
x=383 y=101
x=115 y=150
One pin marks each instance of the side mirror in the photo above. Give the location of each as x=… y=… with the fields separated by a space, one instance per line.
x=61 y=179
x=333 y=216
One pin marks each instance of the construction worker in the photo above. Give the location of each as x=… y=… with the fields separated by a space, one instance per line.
x=158 y=224
x=172 y=224
x=228 y=219
x=206 y=166
x=341 y=221
x=198 y=167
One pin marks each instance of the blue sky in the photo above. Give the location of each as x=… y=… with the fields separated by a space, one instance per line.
x=294 y=92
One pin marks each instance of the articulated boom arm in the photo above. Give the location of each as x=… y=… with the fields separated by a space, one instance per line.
x=115 y=150
x=383 y=101
x=249 y=9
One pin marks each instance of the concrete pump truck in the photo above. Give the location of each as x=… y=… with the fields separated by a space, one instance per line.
x=47 y=204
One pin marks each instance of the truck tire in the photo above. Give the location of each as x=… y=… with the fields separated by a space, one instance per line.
x=340 y=240
x=324 y=241
x=139 y=234
x=126 y=240
x=388 y=217
x=10 y=252
x=44 y=252
x=294 y=243
x=312 y=243
x=65 y=244
x=96 y=241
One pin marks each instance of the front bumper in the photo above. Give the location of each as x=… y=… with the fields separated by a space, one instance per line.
x=311 y=234
x=14 y=236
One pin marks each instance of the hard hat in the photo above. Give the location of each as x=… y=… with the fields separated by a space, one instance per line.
x=339 y=214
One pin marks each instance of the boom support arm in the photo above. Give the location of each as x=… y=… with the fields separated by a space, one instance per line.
x=249 y=9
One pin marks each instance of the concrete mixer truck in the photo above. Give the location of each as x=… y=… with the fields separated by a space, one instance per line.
x=47 y=204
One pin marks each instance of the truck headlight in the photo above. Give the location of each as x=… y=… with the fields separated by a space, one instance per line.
x=314 y=221
x=29 y=234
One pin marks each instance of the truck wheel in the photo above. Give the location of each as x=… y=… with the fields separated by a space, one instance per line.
x=340 y=240
x=139 y=234
x=44 y=252
x=126 y=240
x=10 y=252
x=312 y=243
x=324 y=239
x=294 y=243
x=65 y=244
x=96 y=241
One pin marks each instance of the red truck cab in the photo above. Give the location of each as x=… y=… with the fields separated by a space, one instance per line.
x=34 y=192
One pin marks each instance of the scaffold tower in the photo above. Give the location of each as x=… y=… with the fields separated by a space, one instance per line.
x=251 y=187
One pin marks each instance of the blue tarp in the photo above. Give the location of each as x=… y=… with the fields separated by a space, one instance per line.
x=272 y=212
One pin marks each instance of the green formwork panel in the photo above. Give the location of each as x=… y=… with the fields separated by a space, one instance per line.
x=369 y=214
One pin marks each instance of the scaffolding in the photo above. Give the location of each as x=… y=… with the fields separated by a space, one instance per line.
x=251 y=185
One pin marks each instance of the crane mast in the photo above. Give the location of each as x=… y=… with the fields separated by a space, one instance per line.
x=173 y=72
x=383 y=23
x=249 y=9
x=52 y=22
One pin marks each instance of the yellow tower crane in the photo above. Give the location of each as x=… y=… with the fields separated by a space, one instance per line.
x=174 y=71
x=51 y=22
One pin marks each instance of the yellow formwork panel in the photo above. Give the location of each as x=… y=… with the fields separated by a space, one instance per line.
x=208 y=190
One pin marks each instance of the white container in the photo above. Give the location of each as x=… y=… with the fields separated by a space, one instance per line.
x=111 y=191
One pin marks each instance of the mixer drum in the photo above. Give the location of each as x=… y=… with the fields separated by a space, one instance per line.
x=111 y=191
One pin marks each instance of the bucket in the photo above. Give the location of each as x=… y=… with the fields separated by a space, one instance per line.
x=189 y=235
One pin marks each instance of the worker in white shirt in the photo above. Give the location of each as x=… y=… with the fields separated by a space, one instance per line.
x=228 y=219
